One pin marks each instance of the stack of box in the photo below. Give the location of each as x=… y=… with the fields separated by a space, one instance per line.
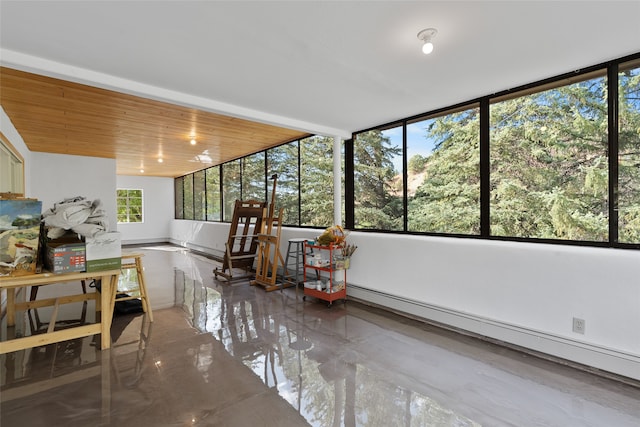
x=104 y=252
x=73 y=253
x=65 y=254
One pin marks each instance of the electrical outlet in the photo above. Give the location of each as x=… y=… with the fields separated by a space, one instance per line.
x=578 y=325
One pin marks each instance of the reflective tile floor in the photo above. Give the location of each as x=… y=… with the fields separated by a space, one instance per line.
x=236 y=355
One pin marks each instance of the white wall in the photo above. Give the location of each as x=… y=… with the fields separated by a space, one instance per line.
x=521 y=293
x=58 y=176
x=157 y=209
x=10 y=132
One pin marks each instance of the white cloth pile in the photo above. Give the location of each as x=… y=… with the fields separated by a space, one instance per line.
x=78 y=214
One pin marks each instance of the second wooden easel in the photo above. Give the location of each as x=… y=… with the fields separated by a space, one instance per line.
x=269 y=247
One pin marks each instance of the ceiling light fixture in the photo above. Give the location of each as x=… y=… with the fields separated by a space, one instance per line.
x=426 y=36
x=193 y=141
x=160 y=160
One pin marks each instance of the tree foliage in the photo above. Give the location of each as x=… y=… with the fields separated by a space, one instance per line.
x=629 y=157
x=448 y=199
x=549 y=166
x=377 y=201
x=316 y=181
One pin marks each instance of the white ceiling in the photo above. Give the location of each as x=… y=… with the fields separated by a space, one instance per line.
x=327 y=67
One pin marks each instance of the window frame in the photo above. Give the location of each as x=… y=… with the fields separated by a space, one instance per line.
x=610 y=70
x=128 y=206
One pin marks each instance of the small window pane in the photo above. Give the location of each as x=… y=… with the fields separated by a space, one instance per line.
x=179 y=200
x=188 y=197
x=629 y=153
x=283 y=161
x=549 y=166
x=129 y=205
x=378 y=183
x=199 y=196
x=253 y=177
x=231 y=186
x=213 y=193
x=443 y=176
x=316 y=181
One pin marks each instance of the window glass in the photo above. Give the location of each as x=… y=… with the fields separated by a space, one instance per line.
x=212 y=180
x=199 y=196
x=443 y=173
x=283 y=162
x=549 y=166
x=316 y=181
x=378 y=182
x=253 y=177
x=178 y=197
x=129 y=205
x=629 y=153
x=188 y=197
x=231 y=187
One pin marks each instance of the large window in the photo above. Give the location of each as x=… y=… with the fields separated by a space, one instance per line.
x=557 y=161
x=443 y=173
x=549 y=166
x=378 y=179
x=629 y=153
x=129 y=204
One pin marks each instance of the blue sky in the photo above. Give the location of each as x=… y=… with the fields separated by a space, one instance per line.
x=417 y=143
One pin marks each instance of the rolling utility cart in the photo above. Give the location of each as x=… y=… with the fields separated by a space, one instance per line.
x=325 y=273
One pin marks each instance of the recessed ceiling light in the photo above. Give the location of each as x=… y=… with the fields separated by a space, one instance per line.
x=160 y=160
x=193 y=141
x=141 y=170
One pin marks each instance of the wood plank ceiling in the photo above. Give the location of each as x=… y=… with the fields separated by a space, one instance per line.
x=57 y=116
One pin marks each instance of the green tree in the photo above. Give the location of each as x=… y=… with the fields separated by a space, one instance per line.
x=231 y=187
x=448 y=199
x=549 y=164
x=199 y=196
x=377 y=191
x=417 y=164
x=283 y=162
x=316 y=181
x=253 y=177
x=629 y=156
x=212 y=180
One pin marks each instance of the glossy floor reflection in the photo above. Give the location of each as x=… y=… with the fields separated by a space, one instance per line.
x=235 y=355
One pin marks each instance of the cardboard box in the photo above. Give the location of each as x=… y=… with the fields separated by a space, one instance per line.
x=65 y=255
x=104 y=252
x=19 y=236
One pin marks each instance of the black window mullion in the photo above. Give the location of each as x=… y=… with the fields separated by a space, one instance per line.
x=613 y=103
x=405 y=179
x=349 y=188
x=485 y=169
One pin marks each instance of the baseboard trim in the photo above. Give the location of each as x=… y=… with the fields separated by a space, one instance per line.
x=145 y=241
x=565 y=350
x=200 y=249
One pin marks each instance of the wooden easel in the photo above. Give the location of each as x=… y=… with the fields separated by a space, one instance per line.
x=269 y=247
x=241 y=246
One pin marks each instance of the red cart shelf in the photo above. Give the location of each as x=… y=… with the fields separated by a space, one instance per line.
x=325 y=264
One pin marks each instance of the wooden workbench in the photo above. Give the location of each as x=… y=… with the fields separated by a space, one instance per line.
x=104 y=301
